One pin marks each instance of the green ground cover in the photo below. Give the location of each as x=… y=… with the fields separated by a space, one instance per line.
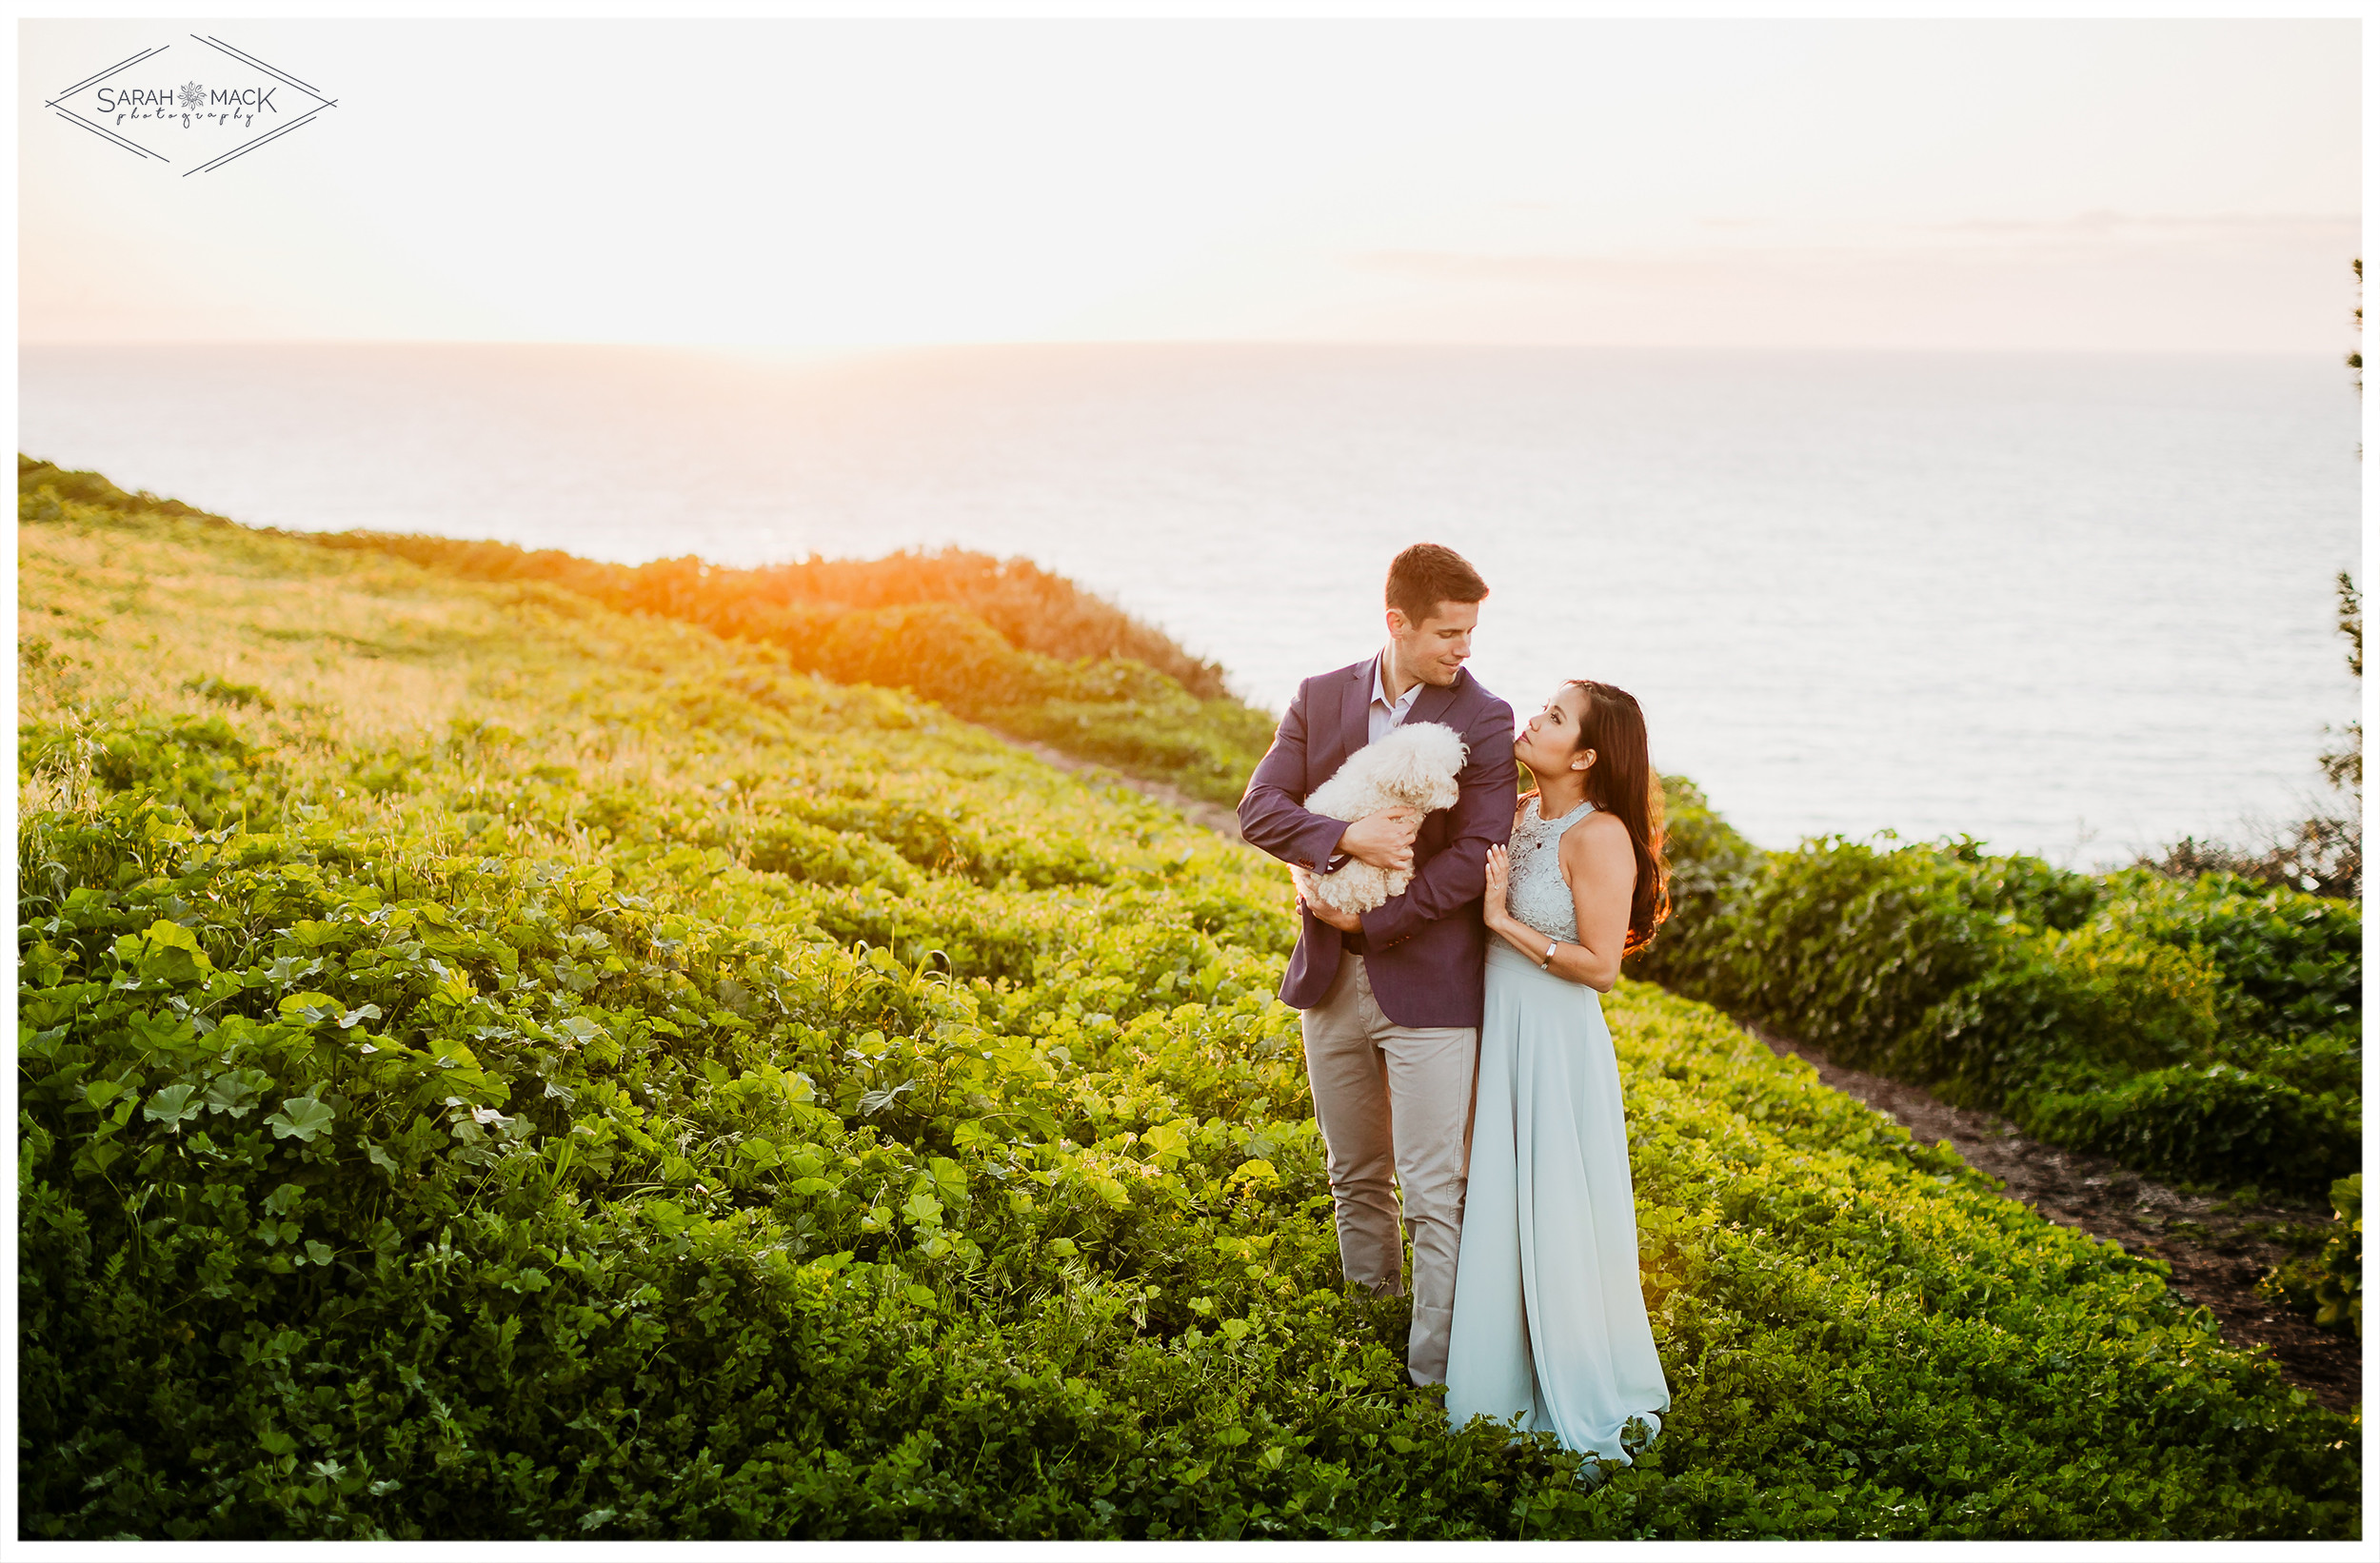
x=494 y=1066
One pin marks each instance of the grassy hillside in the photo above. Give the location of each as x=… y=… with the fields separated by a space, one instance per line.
x=1003 y=642
x=494 y=1066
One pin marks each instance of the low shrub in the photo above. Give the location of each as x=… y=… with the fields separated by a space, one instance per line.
x=2024 y=1021
x=202 y=764
x=2204 y=1031
x=943 y=653
x=2339 y=1292
x=2294 y=961
x=1847 y=946
x=2208 y=1123
x=2328 y=1288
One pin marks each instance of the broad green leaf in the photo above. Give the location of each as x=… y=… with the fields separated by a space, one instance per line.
x=236 y=1093
x=175 y=965
x=471 y=1121
x=169 y=935
x=301 y=1118
x=173 y=1104
x=311 y=1007
x=283 y=970
x=97 y=1155
x=166 y=952
x=449 y=1050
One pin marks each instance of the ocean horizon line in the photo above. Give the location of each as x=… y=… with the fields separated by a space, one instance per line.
x=835 y=351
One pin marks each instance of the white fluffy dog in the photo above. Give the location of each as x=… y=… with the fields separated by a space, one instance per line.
x=1413 y=766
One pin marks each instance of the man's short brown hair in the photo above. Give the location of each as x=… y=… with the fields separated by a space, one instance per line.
x=1429 y=573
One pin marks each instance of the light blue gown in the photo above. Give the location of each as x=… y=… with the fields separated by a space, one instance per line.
x=1549 y=1323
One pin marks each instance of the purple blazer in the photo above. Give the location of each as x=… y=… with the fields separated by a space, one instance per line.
x=1425 y=950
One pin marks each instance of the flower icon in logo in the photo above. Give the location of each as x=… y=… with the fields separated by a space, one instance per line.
x=193 y=95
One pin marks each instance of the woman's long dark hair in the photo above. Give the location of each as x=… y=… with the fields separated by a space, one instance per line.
x=1622 y=782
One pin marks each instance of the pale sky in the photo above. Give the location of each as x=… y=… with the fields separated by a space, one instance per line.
x=2041 y=185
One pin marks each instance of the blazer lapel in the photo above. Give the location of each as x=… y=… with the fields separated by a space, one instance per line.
x=1433 y=702
x=1355 y=709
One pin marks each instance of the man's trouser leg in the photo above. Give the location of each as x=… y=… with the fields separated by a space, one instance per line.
x=1394 y=1100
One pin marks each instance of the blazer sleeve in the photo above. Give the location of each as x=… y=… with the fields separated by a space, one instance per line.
x=1483 y=818
x=1272 y=815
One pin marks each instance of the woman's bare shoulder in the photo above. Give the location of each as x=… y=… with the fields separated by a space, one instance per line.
x=1598 y=834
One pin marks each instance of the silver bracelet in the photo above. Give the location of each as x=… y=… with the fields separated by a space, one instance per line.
x=1551 y=946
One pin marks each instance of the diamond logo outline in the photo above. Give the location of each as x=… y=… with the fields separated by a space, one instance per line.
x=189 y=96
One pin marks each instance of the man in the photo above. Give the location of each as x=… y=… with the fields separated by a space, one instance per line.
x=1393 y=999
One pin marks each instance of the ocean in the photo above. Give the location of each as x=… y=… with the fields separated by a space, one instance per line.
x=2079 y=606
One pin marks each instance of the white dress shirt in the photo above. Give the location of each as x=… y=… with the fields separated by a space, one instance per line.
x=1386 y=713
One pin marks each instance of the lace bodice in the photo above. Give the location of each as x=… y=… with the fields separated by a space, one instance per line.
x=1536 y=893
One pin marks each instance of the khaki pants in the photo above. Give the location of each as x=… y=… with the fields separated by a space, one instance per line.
x=1394 y=1100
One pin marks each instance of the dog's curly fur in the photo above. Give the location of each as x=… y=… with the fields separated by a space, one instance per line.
x=1415 y=766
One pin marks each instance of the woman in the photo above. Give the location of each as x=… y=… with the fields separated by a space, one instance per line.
x=1549 y=1321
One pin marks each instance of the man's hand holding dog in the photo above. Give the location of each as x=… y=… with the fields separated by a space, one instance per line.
x=1346 y=923
x=1383 y=840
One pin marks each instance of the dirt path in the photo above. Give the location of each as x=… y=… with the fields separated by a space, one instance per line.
x=2216 y=1251
x=1213 y=816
